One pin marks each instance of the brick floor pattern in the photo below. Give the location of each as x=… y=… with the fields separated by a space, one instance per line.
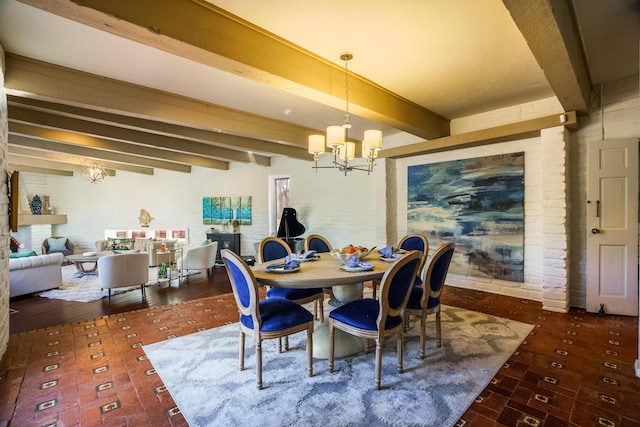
x=574 y=369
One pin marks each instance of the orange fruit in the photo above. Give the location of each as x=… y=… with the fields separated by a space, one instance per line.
x=349 y=250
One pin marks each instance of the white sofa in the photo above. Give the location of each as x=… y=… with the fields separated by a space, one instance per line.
x=35 y=273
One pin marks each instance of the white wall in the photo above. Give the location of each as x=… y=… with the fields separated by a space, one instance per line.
x=4 y=225
x=617 y=116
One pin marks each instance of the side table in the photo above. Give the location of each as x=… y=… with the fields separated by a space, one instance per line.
x=172 y=269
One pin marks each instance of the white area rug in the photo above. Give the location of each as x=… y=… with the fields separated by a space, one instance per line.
x=201 y=372
x=87 y=288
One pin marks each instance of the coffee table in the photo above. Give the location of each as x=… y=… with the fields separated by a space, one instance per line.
x=80 y=260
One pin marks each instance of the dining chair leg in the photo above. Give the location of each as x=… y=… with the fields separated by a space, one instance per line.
x=310 y=351
x=423 y=333
x=378 y=363
x=331 y=344
x=280 y=345
x=259 y=363
x=438 y=329
x=321 y=304
x=286 y=343
x=241 y=351
x=400 y=347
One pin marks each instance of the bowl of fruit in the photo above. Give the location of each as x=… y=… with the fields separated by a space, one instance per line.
x=350 y=251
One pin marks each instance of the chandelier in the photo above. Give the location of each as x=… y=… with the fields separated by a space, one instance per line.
x=94 y=173
x=338 y=139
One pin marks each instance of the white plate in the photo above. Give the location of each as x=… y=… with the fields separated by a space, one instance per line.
x=281 y=270
x=88 y=254
x=355 y=269
x=388 y=259
x=308 y=259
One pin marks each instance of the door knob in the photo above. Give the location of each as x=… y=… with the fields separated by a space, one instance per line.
x=595 y=231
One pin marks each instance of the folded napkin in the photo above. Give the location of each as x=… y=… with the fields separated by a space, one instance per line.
x=387 y=251
x=289 y=264
x=353 y=262
x=309 y=254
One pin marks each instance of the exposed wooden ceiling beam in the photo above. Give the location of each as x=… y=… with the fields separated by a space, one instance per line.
x=202 y=32
x=552 y=34
x=45 y=142
x=40 y=170
x=115 y=147
x=524 y=129
x=48 y=82
x=18 y=155
x=163 y=128
x=160 y=143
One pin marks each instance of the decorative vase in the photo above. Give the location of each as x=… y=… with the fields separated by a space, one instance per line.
x=46 y=207
x=36 y=205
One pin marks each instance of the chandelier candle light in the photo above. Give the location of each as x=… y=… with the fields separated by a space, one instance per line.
x=338 y=139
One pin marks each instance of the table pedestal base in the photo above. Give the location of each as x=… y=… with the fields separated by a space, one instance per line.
x=345 y=345
x=346 y=293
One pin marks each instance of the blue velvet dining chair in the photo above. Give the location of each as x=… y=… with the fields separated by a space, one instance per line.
x=382 y=318
x=266 y=319
x=317 y=243
x=272 y=248
x=412 y=242
x=425 y=300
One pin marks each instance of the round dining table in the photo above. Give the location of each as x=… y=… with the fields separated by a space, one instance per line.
x=321 y=272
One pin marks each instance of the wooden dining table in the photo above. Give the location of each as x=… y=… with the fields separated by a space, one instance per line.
x=323 y=272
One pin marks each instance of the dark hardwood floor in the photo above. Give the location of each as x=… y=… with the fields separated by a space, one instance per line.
x=33 y=312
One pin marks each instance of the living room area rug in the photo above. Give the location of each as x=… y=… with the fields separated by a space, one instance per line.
x=87 y=288
x=201 y=372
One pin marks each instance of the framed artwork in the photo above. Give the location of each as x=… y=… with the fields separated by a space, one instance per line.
x=224 y=210
x=476 y=203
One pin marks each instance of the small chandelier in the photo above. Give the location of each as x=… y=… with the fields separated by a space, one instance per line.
x=337 y=139
x=94 y=173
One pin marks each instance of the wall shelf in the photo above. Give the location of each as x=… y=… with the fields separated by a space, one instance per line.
x=41 y=219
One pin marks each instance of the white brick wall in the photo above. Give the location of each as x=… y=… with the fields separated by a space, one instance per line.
x=619 y=117
x=4 y=224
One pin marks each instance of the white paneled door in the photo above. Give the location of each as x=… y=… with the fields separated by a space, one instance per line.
x=612 y=227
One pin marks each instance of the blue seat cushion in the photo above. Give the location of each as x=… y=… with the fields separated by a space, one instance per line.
x=414 y=300
x=292 y=294
x=363 y=314
x=278 y=314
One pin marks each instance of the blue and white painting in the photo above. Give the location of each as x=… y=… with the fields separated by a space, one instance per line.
x=476 y=203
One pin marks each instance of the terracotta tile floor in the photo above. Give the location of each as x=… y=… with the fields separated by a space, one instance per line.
x=574 y=369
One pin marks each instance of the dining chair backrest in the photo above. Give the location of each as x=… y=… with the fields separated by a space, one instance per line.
x=245 y=289
x=436 y=272
x=416 y=242
x=317 y=243
x=271 y=248
x=395 y=286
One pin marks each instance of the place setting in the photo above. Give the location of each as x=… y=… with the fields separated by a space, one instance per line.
x=390 y=253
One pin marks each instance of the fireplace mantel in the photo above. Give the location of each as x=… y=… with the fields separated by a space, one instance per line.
x=41 y=219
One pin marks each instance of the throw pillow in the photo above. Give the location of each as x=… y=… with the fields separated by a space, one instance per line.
x=119 y=244
x=23 y=254
x=57 y=244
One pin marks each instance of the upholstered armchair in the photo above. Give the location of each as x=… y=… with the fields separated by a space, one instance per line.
x=199 y=258
x=123 y=270
x=60 y=244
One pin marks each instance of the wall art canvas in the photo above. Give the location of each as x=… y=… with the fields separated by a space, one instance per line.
x=476 y=203
x=224 y=210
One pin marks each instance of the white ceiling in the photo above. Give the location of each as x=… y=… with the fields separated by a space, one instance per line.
x=452 y=58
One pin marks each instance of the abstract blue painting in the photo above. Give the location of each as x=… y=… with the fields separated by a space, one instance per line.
x=476 y=203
